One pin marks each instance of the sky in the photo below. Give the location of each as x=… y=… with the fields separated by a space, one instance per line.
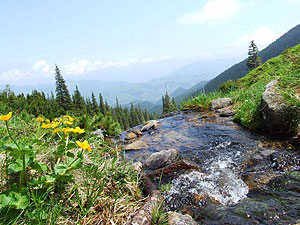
x=132 y=40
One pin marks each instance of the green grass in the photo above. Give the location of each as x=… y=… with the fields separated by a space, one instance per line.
x=247 y=91
x=104 y=188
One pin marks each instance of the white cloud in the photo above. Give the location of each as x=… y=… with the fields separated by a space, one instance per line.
x=262 y=36
x=12 y=75
x=83 y=66
x=42 y=66
x=212 y=10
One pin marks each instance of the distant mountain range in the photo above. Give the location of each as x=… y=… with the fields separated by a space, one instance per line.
x=288 y=40
x=148 y=93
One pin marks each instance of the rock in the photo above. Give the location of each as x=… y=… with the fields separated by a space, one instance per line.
x=98 y=133
x=226 y=112
x=274 y=111
x=220 y=103
x=130 y=136
x=161 y=159
x=137 y=132
x=136 y=145
x=173 y=168
x=296 y=141
x=152 y=124
x=175 y=218
x=138 y=167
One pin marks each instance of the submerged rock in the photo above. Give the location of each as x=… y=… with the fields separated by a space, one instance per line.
x=274 y=111
x=136 y=145
x=152 y=124
x=175 y=218
x=161 y=159
x=220 y=103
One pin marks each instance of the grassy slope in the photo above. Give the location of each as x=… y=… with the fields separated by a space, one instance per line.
x=247 y=91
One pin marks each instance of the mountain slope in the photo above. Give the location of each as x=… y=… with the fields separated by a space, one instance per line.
x=246 y=92
x=289 y=39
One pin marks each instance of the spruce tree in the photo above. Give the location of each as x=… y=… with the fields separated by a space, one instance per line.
x=102 y=105
x=95 y=107
x=253 y=60
x=63 y=97
x=78 y=102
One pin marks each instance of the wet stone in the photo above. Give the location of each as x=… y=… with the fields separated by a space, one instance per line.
x=175 y=218
x=160 y=159
x=130 y=136
x=136 y=146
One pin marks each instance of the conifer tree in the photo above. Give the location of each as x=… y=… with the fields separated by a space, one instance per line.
x=95 y=107
x=63 y=97
x=102 y=105
x=78 y=102
x=253 y=60
x=167 y=104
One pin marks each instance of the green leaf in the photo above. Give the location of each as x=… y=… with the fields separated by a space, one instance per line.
x=15 y=168
x=75 y=164
x=40 y=167
x=71 y=146
x=60 y=150
x=14 y=200
x=66 y=178
x=4 y=201
x=70 y=154
x=60 y=169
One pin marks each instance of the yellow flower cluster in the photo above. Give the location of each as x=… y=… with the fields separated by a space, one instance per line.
x=66 y=120
x=6 y=117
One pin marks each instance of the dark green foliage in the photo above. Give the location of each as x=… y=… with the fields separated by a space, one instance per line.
x=168 y=104
x=94 y=106
x=78 y=102
x=253 y=60
x=63 y=97
x=290 y=39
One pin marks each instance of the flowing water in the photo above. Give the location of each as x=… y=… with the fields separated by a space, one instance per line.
x=239 y=181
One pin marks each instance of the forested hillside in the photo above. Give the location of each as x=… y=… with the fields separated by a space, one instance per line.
x=290 y=39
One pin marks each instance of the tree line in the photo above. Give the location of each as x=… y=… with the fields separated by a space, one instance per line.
x=51 y=106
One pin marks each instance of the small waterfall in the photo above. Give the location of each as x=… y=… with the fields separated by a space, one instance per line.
x=220 y=184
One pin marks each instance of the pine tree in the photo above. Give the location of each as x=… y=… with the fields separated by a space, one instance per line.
x=95 y=107
x=167 y=104
x=63 y=97
x=174 y=105
x=253 y=60
x=102 y=105
x=78 y=102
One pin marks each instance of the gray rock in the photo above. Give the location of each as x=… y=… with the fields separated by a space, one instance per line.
x=220 y=103
x=161 y=159
x=175 y=218
x=152 y=124
x=274 y=111
x=130 y=136
x=136 y=145
x=98 y=133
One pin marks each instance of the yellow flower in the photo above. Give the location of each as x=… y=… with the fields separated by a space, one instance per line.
x=69 y=118
x=46 y=126
x=47 y=120
x=68 y=123
x=40 y=119
x=55 y=124
x=6 y=117
x=78 y=130
x=84 y=145
x=55 y=131
x=67 y=130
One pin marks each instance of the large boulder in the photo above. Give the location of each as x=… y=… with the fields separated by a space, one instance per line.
x=220 y=103
x=175 y=218
x=161 y=159
x=274 y=111
x=136 y=145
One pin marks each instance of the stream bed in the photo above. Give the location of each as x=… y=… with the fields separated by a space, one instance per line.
x=242 y=178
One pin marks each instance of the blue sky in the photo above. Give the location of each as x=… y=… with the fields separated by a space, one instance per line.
x=90 y=38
